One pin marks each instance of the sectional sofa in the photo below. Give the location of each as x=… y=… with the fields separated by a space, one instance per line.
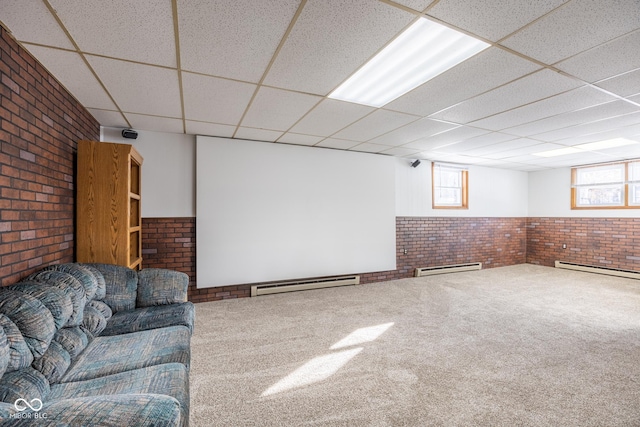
x=95 y=345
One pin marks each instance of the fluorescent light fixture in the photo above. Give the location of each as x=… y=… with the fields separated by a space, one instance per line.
x=603 y=145
x=420 y=53
x=559 y=152
x=591 y=146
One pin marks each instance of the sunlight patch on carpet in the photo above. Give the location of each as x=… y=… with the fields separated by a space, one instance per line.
x=317 y=369
x=362 y=335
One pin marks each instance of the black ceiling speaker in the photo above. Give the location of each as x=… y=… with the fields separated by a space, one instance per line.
x=129 y=134
x=415 y=164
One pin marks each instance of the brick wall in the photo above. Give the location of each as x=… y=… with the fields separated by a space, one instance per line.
x=606 y=242
x=170 y=243
x=433 y=241
x=40 y=126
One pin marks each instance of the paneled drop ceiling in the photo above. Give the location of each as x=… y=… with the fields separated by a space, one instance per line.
x=558 y=73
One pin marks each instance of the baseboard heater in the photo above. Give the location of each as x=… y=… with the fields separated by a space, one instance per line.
x=303 y=285
x=600 y=270
x=428 y=271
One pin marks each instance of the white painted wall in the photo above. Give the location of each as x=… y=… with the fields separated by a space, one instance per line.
x=275 y=212
x=492 y=192
x=168 y=171
x=550 y=196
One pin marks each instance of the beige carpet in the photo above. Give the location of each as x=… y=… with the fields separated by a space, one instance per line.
x=513 y=346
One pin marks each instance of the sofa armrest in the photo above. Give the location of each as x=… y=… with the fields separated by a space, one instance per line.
x=145 y=318
x=108 y=411
x=159 y=286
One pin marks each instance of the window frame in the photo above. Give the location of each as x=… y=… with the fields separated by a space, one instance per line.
x=464 y=186
x=626 y=184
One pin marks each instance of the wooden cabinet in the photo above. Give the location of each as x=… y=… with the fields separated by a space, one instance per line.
x=108 y=215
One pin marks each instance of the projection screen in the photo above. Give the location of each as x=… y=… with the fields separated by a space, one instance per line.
x=267 y=212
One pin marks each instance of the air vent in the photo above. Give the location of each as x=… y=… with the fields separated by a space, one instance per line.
x=442 y=269
x=303 y=285
x=600 y=270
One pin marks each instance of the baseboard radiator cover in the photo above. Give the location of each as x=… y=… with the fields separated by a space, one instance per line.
x=442 y=269
x=303 y=285
x=600 y=270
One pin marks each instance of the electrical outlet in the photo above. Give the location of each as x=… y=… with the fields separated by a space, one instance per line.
x=564 y=246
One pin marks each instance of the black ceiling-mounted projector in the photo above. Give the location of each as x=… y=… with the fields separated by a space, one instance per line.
x=129 y=134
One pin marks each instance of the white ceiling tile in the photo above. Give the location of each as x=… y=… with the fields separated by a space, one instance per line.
x=590 y=128
x=449 y=137
x=278 y=109
x=417 y=5
x=476 y=142
x=142 y=89
x=210 y=99
x=367 y=147
x=514 y=147
x=624 y=85
x=576 y=99
x=330 y=40
x=108 y=118
x=377 y=123
x=486 y=70
x=74 y=74
x=536 y=86
x=400 y=151
x=415 y=130
x=157 y=124
x=234 y=39
x=295 y=138
x=257 y=134
x=609 y=59
x=585 y=115
x=210 y=129
x=31 y=21
x=329 y=117
x=140 y=30
x=575 y=27
x=491 y=19
x=341 y=144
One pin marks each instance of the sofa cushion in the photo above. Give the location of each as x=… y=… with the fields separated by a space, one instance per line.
x=102 y=308
x=26 y=383
x=94 y=322
x=5 y=351
x=158 y=286
x=140 y=410
x=19 y=354
x=107 y=355
x=121 y=286
x=171 y=379
x=101 y=289
x=74 y=340
x=146 y=318
x=82 y=274
x=57 y=301
x=69 y=284
x=54 y=363
x=32 y=318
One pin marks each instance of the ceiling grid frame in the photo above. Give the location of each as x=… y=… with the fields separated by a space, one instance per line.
x=16 y=25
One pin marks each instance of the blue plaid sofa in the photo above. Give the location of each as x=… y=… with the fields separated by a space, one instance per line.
x=95 y=345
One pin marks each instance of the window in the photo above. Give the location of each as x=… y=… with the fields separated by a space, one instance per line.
x=607 y=186
x=450 y=186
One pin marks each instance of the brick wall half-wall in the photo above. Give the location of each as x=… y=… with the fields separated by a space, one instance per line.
x=604 y=242
x=40 y=126
x=429 y=241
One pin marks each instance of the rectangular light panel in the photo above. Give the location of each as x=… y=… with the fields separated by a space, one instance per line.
x=423 y=51
x=592 y=146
